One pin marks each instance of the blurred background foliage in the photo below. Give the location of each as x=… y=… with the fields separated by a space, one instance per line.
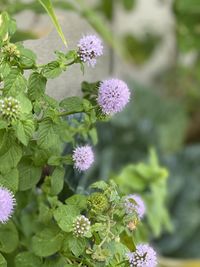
x=164 y=115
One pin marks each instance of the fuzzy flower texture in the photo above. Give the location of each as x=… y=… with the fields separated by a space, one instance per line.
x=83 y=157
x=144 y=256
x=134 y=203
x=7 y=203
x=113 y=96
x=89 y=48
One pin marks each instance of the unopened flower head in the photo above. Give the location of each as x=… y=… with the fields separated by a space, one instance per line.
x=81 y=226
x=11 y=50
x=83 y=157
x=98 y=203
x=9 y=108
x=113 y=96
x=134 y=204
x=144 y=256
x=7 y=203
x=89 y=48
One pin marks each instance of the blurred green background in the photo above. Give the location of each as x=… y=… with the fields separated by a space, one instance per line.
x=153 y=147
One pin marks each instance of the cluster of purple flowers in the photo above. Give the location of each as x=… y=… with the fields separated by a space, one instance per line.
x=144 y=256
x=134 y=204
x=112 y=97
x=7 y=203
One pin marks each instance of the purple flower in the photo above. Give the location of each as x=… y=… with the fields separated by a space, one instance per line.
x=7 y=203
x=83 y=157
x=134 y=203
x=144 y=256
x=89 y=48
x=113 y=96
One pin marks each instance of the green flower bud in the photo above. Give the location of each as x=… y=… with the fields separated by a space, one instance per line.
x=81 y=226
x=11 y=50
x=98 y=203
x=9 y=108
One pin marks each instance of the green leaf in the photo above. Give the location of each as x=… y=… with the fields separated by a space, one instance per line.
x=77 y=245
x=10 y=152
x=60 y=160
x=24 y=130
x=65 y=216
x=52 y=70
x=4 y=69
x=27 y=259
x=93 y=135
x=49 y=9
x=57 y=180
x=47 y=242
x=3 y=262
x=7 y=26
x=78 y=201
x=10 y=179
x=36 y=86
x=29 y=174
x=27 y=57
x=72 y=104
x=55 y=262
x=100 y=185
x=14 y=83
x=8 y=237
x=25 y=103
x=48 y=135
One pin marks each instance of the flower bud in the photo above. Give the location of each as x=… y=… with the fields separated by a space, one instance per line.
x=98 y=203
x=9 y=108
x=81 y=226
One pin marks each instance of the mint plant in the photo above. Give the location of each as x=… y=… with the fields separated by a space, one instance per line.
x=43 y=223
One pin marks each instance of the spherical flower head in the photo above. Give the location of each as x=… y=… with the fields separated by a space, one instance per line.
x=83 y=157
x=7 y=203
x=9 y=108
x=113 y=96
x=144 y=256
x=89 y=48
x=81 y=226
x=98 y=203
x=134 y=204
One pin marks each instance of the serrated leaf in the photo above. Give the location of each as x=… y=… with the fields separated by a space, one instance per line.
x=8 y=237
x=25 y=103
x=49 y=8
x=77 y=245
x=10 y=152
x=29 y=174
x=10 y=179
x=47 y=242
x=27 y=57
x=72 y=104
x=36 y=85
x=24 y=130
x=48 y=135
x=14 y=83
x=52 y=70
x=65 y=216
x=4 y=69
